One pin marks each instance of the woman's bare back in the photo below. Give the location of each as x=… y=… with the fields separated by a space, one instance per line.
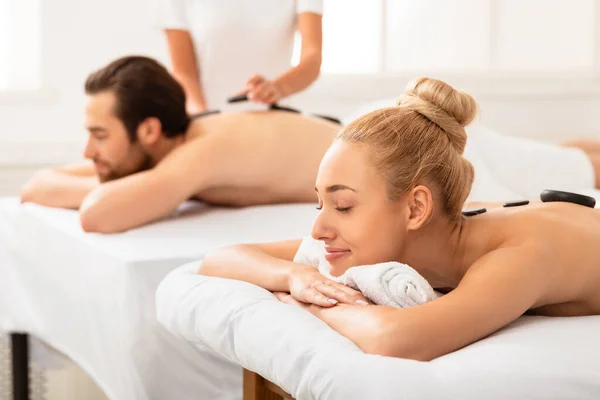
x=567 y=237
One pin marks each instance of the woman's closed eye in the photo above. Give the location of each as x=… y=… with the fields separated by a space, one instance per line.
x=340 y=209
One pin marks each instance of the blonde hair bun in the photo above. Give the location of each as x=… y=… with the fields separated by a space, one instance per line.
x=443 y=105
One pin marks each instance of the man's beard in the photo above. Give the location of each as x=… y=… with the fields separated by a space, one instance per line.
x=114 y=173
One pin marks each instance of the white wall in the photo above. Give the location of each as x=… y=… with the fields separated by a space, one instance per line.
x=541 y=109
x=78 y=36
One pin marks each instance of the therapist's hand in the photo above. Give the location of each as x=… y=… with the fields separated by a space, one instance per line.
x=194 y=107
x=261 y=90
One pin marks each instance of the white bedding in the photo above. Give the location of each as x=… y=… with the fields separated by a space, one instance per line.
x=91 y=296
x=509 y=167
x=533 y=358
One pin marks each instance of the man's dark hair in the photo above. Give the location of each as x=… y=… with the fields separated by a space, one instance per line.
x=143 y=88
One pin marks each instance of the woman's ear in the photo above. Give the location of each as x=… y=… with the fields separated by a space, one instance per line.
x=420 y=203
x=149 y=131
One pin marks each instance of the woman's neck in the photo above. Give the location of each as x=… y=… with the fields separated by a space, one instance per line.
x=442 y=251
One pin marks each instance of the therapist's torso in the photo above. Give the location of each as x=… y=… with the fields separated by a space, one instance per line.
x=236 y=39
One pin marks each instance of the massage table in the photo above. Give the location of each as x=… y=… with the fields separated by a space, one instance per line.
x=287 y=352
x=91 y=296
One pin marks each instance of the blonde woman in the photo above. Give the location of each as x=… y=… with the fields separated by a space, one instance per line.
x=391 y=188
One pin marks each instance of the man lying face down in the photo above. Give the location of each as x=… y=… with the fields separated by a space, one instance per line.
x=147 y=155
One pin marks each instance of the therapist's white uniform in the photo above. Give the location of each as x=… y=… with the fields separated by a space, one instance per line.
x=235 y=39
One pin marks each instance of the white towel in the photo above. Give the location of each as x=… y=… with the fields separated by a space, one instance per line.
x=388 y=284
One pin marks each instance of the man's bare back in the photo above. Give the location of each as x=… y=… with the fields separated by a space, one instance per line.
x=232 y=159
x=264 y=156
x=147 y=156
x=565 y=236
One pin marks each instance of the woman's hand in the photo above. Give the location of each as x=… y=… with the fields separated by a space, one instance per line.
x=263 y=90
x=289 y=299
x=309 y=286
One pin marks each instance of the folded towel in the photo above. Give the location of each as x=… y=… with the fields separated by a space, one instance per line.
x=388 y=284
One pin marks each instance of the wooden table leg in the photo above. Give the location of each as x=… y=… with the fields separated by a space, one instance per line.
x=258 y=388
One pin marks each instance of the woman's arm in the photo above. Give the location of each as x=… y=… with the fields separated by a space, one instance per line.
x=185 y=68
x=267 y=265
x=299 y=77
x=363 y=324
x=270 y=266
x=496 y=290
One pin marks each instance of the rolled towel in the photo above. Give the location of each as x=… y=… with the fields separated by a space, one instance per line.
x=388 y=284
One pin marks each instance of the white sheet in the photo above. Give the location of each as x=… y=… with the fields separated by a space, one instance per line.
x=508 y=167
x=533 y=358
x=91 y=296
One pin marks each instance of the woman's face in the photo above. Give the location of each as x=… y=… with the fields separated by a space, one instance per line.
x=358 y=222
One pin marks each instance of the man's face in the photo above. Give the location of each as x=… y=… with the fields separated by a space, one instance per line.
x=109 y=146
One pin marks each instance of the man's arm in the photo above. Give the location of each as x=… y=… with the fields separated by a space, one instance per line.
x=64 y=187
x=497 y=290
x=146 y=196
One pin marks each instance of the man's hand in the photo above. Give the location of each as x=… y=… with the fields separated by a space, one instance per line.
x=62 y=187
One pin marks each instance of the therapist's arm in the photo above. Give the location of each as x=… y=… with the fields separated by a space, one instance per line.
x=63 y=187
x=309 y=67
x=185 y=68
x=296 y=78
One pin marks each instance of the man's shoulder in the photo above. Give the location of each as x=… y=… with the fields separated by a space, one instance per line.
x=190 y=149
